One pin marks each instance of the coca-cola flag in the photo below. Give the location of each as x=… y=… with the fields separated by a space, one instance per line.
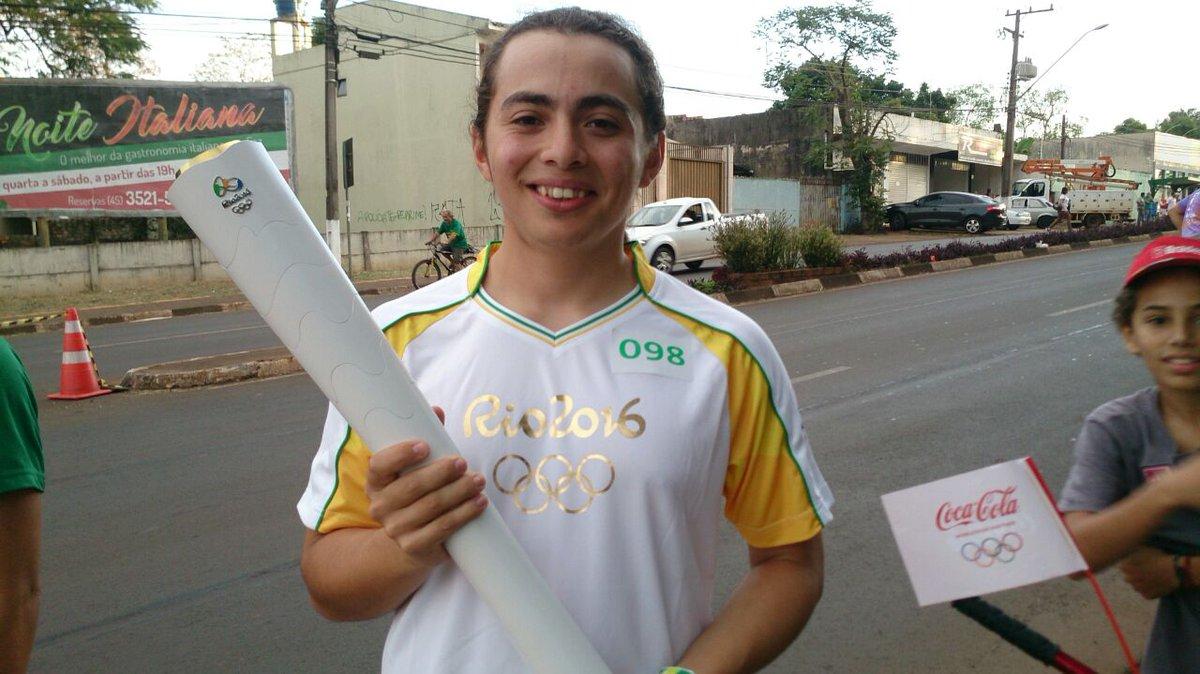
x=984 y=531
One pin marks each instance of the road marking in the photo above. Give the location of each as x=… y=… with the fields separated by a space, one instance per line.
x=1072 y=310
x=1080 y=331
x=818 y=375
x=152 y=318
x=189 y=334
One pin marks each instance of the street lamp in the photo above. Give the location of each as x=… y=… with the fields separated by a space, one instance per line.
x=1013 y=97
x=1060 y=57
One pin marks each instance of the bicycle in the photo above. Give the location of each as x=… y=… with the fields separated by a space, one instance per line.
x=431 y=269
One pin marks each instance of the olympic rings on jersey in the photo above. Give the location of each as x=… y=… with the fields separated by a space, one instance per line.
x=991 y=550
x=552 y=478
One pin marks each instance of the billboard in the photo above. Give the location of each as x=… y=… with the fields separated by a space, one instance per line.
x=111 y=147
x=980 y=149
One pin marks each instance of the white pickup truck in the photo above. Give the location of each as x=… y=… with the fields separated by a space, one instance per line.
x=677 y=230
x=1088 y=207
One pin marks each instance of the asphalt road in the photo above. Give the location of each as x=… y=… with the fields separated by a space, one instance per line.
x=171 y=542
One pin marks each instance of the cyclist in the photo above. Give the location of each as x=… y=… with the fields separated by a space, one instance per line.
x=456 y=238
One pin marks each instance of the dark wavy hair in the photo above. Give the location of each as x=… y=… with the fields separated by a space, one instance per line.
x=577 y=21
x=1125 y=303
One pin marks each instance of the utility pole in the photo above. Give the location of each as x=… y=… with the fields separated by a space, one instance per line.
x=1062 y=149
x=1011 y=120
x=333 y=229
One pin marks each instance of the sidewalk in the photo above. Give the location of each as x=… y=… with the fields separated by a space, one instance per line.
x=169 y=308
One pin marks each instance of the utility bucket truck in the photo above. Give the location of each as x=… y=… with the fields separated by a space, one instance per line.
x=1096 y=197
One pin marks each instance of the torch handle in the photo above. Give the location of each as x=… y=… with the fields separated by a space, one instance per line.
x=1018 y=634
x=241 y=208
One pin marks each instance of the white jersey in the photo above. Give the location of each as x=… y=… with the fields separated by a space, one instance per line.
x=609 y=448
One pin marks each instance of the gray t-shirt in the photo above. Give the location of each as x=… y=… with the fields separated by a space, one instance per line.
x=1123 y=442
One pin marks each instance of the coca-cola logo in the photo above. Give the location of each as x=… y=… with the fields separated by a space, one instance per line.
x=993 y=504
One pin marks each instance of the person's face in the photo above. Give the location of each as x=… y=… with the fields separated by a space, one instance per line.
x=564 y=145
x=447 y=216
x=1165 y=331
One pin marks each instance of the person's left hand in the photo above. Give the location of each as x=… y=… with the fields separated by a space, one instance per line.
x=1150 y=572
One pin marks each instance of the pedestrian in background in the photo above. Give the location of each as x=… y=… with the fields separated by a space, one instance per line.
x=1064 y=209
x=1185 y=215
x=22 y=479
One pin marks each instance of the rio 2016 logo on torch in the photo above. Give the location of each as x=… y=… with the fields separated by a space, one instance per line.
x=240 y=201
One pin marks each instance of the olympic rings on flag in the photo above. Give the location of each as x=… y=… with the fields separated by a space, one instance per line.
x=553 y=477
x=991 y=550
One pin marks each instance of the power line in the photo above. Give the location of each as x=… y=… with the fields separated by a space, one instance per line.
x=359 y=31
x=111 y=10
x=392 y=10
x=721 y=93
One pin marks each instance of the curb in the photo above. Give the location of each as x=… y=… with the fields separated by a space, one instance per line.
x=27 y=320
x=259 y=364
x=832 y=282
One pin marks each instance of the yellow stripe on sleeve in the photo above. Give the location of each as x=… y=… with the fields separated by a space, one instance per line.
x=348 y=504
x=766 y=496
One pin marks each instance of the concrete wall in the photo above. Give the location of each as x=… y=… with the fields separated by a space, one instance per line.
x=772 y=143
x=40 y=271
x=407 y=112
x=1140 y=154
x=807 y=202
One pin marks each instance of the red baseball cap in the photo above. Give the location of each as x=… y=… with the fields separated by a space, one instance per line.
x=1165 y=251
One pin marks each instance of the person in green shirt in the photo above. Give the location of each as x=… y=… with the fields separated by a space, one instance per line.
x=22 y=480
x=456 y=237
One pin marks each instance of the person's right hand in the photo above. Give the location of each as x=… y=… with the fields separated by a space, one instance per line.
x=419 y=509
x=1150 y=572
x=1182 y=484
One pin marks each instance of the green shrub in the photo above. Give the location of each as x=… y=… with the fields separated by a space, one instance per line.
x=821 y=246
x=783 y=248
x=707 y=286
x=737 y=241
x=772 y=243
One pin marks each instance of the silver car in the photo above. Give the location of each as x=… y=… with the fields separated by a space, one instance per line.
x=1041 y=212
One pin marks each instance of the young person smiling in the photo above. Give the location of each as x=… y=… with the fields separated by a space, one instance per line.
x=608 y=411
x=1133 y=494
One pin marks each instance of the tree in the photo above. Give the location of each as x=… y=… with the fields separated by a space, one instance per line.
x=839 y=54
x=977 y=106
x=810 y=83
x=238 y=59
x=1182 y=123
x=1130 y=125
x=71 y=38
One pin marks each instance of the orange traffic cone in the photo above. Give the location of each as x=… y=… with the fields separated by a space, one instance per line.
x=78 y=377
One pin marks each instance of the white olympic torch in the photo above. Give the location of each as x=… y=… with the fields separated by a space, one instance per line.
x=238 y=203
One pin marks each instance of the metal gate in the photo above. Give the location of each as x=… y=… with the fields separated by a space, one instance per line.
x=698 y=179
x=906 y=178
x=692 y=172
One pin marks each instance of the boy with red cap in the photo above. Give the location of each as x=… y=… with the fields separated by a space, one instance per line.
x=1133 y=493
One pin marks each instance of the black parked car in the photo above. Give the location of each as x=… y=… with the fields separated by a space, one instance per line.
x=945 y=210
